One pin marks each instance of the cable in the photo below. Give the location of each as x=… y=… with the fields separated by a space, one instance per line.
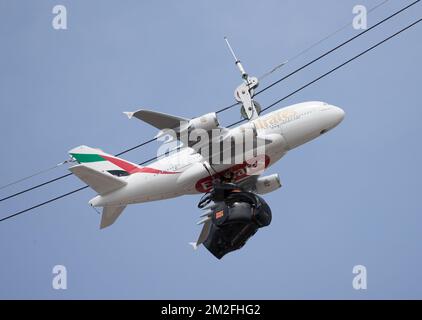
x=136 y=147
x=43 y=203
x=35 y=187
x=333 y=33
x=35 y=174
x=342 y=65
x=270 y=106
x=338 y=47
x=227 y=108
x=316 y=43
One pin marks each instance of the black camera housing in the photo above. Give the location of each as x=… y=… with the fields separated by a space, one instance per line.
x=236 y=217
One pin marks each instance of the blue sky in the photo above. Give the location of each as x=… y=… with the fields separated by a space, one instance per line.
x=351 y=197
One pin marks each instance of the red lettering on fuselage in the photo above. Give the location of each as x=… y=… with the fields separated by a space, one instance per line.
x=238 y=172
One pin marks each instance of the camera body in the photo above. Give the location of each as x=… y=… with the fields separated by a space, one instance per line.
x=236 y=216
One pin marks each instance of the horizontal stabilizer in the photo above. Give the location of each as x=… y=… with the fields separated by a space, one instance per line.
x=101 y=182
x=110 y=215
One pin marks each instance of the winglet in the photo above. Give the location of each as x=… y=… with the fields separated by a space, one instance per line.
x=129 y=114
x=194 y=245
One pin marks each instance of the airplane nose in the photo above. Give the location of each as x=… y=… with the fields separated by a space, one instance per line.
x=338 y=114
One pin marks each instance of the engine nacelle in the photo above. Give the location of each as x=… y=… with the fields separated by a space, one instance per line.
x=267 y=184
x=206 y=122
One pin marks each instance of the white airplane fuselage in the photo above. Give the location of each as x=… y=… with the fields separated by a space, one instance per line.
x=184 y=172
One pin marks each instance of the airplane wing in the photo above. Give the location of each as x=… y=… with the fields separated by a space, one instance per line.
x=157 y=119
x=226 y=138
x=165 y=122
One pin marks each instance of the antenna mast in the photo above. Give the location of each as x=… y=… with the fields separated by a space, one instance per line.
x=244 y=93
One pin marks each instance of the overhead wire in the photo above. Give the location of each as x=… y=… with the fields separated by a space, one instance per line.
x=315 y=44
x=35 y=174
x=338 y=47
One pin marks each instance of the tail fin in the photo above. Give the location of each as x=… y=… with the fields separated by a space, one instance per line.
x=103 y=162
x=101 y=171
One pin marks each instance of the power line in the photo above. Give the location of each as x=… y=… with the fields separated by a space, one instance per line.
x=317 y=43
x=35 y=187
x=333 y=33
x=136 y=147
x=34 y=174
x=270 y=106
x=234 y=104
x=338 y=47
x=44 y=203
x=342 y=65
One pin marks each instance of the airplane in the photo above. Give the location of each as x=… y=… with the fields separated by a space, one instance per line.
x=234 y=208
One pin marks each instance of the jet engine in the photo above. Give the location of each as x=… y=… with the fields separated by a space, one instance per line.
x=234 y=217
x=267 y=184
x=206 y=122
